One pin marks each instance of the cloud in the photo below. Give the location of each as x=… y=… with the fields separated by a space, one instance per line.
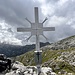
x=60 y=13
x=57 y=21
x=7 y=35
x=14 y=12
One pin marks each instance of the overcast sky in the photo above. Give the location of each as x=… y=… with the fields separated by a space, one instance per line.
x=60 y=14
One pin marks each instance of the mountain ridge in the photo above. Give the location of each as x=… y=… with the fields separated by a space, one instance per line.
x=63 y=44
x=15 y=50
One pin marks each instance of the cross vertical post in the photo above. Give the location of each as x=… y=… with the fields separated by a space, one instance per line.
x=37 y=41
x=36 y=15
x=37 y=21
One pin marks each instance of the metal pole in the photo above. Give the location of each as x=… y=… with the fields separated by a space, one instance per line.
x=38 y=50
x=37 y=43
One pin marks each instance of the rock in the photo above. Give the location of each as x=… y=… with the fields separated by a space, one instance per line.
x=18 y=66
x=5 y=63
x=19 y=69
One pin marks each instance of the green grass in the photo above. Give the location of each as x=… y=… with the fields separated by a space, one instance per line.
x=47 y=55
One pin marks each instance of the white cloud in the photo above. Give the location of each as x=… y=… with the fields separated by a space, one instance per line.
x=41 y=1
x=6 y=35
x=60 y=13
x=47 y=9
x=62 y=2
x=57 y=21
x=73 y=26
x=71 y=22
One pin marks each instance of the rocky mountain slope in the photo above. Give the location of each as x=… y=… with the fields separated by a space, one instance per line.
x=60 y=56
x=68 y=42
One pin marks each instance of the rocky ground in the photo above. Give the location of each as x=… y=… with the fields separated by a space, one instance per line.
x=19 y=69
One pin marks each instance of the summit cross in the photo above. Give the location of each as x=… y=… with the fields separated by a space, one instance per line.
x=37 y=30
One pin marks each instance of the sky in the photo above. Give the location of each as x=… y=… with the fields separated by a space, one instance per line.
x=60 y=14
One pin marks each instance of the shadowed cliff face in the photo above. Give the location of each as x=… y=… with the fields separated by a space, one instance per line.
x=2 y=68
x=5 y=63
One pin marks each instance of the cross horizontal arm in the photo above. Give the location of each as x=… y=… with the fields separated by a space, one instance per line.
x=48 y=28
x=24 y=29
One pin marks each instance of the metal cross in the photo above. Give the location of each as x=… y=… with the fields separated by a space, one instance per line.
x=36 y=29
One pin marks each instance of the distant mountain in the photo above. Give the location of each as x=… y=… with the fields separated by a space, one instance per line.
x=60 y=56
x=62 y=44
x=15 y=50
